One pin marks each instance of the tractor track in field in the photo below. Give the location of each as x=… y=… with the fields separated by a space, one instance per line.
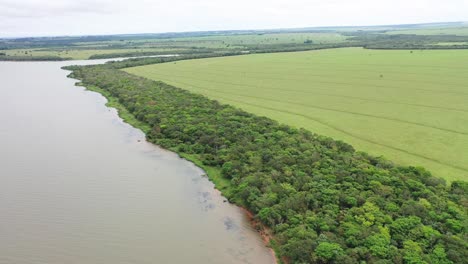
x=325 y=94
x=353 y=135
x=343 y=131
x=331 y=109
x=313 y=72
x=332 y=61
x=242 y=75
x=336 y=68
x=312 y=62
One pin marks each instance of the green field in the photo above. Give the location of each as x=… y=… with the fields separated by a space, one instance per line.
x=411 y=107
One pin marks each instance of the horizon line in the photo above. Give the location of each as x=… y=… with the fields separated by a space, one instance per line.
x=236 y=30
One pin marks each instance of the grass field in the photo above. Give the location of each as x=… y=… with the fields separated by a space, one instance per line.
x=411 y=107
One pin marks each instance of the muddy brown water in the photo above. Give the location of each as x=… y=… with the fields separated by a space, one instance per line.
x=78 y=185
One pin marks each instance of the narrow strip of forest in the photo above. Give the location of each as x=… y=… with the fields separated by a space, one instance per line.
x=324 y=202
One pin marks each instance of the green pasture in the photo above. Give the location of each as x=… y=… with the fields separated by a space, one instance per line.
x=409 y=106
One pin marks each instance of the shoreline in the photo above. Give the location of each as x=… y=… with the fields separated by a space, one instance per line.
x=264 y=232
x=222 y=139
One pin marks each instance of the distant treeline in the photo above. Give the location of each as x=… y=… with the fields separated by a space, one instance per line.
x=155 y=53
x=153 y=60
x=365 y=40
x=371 y=40
x=31 y=58
x=403 y=41
x=325 y=202
x=298 y=47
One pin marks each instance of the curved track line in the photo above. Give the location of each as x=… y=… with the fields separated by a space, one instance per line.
x=333 y=110
x=353 y=135
x=329 y=82
x=269 y=69
x=336 y=110
x=313 y=72
x=326 y=94
x=346 y=112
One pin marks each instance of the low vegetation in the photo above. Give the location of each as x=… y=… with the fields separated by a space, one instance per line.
x=325 y=202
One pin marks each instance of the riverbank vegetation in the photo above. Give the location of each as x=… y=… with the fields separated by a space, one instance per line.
x=324 y=201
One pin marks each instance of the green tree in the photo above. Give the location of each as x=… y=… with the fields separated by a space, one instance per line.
x=328 y=251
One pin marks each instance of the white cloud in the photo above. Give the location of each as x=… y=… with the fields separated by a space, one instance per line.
x=72 y=17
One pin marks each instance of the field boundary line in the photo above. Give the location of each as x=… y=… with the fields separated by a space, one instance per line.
x=350 y=134
x=330 y=82
x=355 y=136
x=313 y=92
x=331 y=109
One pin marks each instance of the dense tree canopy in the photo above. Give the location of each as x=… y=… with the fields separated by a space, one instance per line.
x=324 y=201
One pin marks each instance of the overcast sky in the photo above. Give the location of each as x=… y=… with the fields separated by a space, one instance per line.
x=89 y=17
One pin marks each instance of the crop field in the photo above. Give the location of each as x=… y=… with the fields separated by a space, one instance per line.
x=409 y=106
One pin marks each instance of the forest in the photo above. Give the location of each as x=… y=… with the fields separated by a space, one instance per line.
x=324 y=201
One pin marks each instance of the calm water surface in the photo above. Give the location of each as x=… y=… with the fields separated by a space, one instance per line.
x=77 y=185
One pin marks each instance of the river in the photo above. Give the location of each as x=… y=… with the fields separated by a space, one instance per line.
x=78 y=185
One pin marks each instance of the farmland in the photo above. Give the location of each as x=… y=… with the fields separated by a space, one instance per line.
x=445 y=36
x=80 y=48
x=409 y=106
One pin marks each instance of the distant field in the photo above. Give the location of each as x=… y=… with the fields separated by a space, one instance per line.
x=459 y=31
x=76 y=54
x=241 y=40
x=266 y=39
x=84 y=50
x=411 y=107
